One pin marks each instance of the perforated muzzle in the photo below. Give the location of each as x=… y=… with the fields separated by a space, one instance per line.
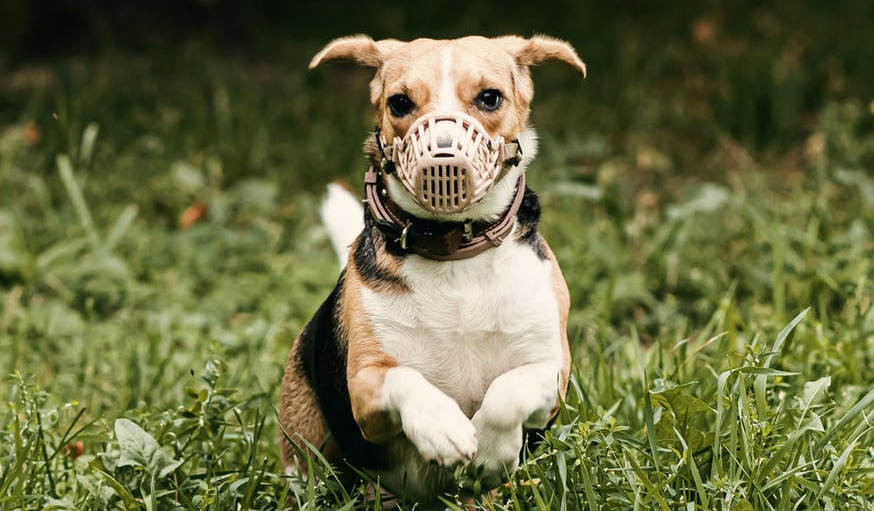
x=447 y=161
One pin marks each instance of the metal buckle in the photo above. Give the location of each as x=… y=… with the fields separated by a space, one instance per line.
x=403 y=238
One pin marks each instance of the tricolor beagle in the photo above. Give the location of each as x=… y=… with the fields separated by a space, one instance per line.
x=445 y=339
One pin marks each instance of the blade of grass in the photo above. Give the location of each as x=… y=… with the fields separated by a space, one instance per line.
x=650 y=426
x=851 y=414
x=121 y=226
x=838 y=466
x=89 y=138
x=761 y=381
x=65 y=168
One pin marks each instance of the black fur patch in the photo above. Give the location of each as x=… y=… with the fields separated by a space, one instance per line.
x=323 y=360
x=528 y=217
x=532 y=438
x=365 y=256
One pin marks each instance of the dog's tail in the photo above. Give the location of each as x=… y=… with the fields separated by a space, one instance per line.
x=343 y=216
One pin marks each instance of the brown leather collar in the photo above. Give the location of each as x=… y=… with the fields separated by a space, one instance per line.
x=443 y=241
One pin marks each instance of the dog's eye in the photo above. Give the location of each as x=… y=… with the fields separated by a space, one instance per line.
x=400 y=105
x=489 y=100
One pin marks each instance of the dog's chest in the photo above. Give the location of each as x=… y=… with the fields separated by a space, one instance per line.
x=465 y=322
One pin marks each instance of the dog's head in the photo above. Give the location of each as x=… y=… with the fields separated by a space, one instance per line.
x=485 y=79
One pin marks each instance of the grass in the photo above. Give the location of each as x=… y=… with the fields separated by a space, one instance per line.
x=722 y=317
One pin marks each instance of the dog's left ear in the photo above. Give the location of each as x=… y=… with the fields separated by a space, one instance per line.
x=539 y=48
x=358 y=48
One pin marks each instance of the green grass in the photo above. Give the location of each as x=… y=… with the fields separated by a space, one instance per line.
x=722 y=320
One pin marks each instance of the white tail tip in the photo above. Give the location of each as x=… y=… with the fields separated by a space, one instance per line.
x=343 y=216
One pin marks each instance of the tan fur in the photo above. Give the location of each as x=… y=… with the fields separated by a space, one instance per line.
x=540 y=48
x=414 y=68
x=366 y=364
x=563 y=297
x=299 y=413
x=360 y=48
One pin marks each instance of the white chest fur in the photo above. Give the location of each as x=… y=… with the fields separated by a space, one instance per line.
x=465 y=322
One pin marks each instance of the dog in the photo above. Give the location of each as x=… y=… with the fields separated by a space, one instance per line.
x=445 y=339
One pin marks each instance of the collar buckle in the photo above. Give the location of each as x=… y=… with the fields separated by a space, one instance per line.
x=402 y=241
x=435 y=240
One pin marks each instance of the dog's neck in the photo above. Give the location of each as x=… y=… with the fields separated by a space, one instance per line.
x=489 y=209
x=442 y=241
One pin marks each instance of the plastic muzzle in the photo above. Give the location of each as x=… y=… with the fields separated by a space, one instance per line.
x=448 y=161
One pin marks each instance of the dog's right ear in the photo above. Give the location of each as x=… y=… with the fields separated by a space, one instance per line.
x=539 y=48
x=358 y=48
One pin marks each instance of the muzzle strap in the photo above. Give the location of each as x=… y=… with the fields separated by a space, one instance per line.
x=386 y=161
x=512 y=153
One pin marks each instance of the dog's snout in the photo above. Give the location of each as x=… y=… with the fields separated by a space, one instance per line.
x=447 y=162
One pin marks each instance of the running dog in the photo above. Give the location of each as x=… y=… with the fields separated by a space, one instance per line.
x=444 y=341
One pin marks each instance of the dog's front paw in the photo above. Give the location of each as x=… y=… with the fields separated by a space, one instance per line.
x=498 y=448
x=440 y=431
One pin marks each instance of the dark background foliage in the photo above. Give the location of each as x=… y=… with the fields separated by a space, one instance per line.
x=760 y=69
x=161 y=166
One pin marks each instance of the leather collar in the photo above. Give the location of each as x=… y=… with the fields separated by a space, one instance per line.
x=442 y=241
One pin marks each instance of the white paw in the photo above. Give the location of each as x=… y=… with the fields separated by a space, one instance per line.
x=440 y=430
x=498 y=448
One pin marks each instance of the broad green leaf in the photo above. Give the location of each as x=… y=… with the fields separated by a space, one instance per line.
x=814 y=391
x=812 y=423
x=138 y=448
x=169 y=466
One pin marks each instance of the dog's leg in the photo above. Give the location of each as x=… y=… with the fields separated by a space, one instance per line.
x=430 y=419
x=388 y=398
x=525 y=396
